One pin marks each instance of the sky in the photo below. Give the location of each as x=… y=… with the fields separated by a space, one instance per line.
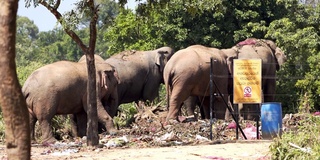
x=44 y=19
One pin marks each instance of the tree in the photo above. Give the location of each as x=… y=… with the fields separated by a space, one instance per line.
x=298 y=33
x=12 y=102
x=27 y=34
x=180 y=23
x=294 y=26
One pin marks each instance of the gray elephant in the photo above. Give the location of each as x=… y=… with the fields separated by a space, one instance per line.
x=61 y=88
x=188 y=74
x=140 y=73
x=272 y=58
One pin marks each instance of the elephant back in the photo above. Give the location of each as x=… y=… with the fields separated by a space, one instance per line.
x=97 y=58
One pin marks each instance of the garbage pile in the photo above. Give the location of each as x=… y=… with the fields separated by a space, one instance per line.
x=149 y=129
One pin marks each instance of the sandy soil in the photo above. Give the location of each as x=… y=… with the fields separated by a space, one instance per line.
x=235 y=150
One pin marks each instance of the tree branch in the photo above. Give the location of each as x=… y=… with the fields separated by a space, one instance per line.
x=58 y=16
x=56 y=6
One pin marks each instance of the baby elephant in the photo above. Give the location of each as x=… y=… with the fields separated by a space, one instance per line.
x=61 y=88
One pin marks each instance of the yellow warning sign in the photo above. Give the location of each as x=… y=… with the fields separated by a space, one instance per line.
x=247 y=81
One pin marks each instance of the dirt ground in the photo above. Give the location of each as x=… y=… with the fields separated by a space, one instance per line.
x=147 y=137
x=233 y=150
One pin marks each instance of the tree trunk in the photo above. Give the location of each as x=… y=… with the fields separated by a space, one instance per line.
x=13 y=104
x=92 y=129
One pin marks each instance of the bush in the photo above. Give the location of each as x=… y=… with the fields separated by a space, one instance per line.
x=2 y=129
x=306 y=136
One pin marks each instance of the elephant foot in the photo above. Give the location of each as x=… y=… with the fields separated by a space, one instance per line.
x=33 y=141
x=113 y=131
x=172 y=121
x=49 y=141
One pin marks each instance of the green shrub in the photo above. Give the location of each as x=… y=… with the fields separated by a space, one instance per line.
x=2 y=128
x=306 y=136
x=126 y=114
x=25 y=71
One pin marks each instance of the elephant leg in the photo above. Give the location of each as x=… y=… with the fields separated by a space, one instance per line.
x=250 y=111
x=103 y=116
x=218 y=110
x=176 y=100
x=202 y=114
x=46 y=129
x=230 y=104
x=206 y=108
x=190 y=105
x=33 y=121
x=269 y=90
x=112 y=103
x=105 y=119
x=81 y=121
x=73 y=125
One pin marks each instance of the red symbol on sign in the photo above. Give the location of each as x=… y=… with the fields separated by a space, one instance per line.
x=247 y=91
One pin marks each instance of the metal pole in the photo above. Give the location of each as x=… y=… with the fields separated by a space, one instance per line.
x=219 y=93
x=236 y=108
x=211 y=96
x=258 y=117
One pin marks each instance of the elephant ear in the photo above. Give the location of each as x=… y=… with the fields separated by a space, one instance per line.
x=280 y=57
x=115 y=74
x=107 y=78
x=230 y=64
x=270 y=44
x=160 y=59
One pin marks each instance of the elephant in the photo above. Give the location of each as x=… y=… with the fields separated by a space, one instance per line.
x=187 y=73
x=61 y=88
x=272 y=58
x=140 y=73
x=192 y=102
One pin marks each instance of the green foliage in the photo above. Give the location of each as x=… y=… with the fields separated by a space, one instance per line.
x=126 y=116
x=177 y=23
x=2 y=129
x=183 y=23
x=62 y=127
x=25 y=71
x=132 y=32
x=306 y=136
x=27 y=34
x=292 y=25
x=298 y=35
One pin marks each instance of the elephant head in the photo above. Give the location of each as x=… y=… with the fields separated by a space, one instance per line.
x=108 y=77
x=279 y=55
x=163 y=54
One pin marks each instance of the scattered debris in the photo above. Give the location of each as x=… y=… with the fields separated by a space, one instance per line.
x=65 y=152
x=316 y=113
x=306 y=150
x=117 y=142
x=251 y=132
x=149 y=129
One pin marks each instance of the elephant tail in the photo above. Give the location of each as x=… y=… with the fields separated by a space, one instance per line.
x=29 y=100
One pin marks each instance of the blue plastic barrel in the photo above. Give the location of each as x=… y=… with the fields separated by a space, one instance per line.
x=271 y=120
